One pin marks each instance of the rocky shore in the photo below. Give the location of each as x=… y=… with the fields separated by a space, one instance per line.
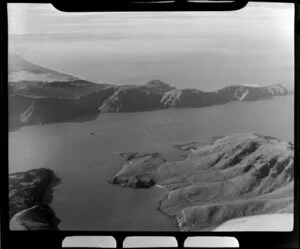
x=30 y=194
x=222 y=178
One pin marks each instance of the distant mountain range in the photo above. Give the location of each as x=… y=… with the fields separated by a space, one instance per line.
x=38 y=95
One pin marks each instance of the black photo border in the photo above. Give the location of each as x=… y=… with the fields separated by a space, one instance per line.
x=53 y=239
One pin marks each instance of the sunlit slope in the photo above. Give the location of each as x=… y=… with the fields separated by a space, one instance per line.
x=222 y=178
x=267 y=222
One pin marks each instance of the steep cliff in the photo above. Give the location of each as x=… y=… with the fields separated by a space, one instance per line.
x=38 y=95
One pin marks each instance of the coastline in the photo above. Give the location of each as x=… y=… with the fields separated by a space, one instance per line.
x=201 y=199
x=159 y=204
x=48 y=194
x=30 y=196
x=174 y=217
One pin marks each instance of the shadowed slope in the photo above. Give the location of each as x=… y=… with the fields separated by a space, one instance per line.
x=30 y=194
x=38 y=95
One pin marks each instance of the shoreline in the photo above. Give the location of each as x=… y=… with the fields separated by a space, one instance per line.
x=48 y=195
x=94 y=116
x=30 y=196
x=203 y=207
x=159 y=204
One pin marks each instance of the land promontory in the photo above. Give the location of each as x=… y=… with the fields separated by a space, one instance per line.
x=221 y=179
x=38 y=96
x=30 y=195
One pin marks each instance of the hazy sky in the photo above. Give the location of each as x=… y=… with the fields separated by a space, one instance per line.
x=253 y=45
x=45 y=19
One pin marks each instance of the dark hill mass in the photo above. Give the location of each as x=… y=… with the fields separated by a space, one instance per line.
x=30 y=194
x=221 y=179
x=38 y=95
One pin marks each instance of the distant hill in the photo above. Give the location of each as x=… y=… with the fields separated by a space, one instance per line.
x=20 y=69
x=38 y=95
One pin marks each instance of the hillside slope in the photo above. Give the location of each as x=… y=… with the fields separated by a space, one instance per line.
x=267 y=222
x=222 y=178
x=38 y=95
x=30 y=194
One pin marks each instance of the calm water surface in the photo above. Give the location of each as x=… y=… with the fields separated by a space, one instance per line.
x=85 y=201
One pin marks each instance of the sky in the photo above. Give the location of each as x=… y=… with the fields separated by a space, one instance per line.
x=46 y=19
x=252 y=46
